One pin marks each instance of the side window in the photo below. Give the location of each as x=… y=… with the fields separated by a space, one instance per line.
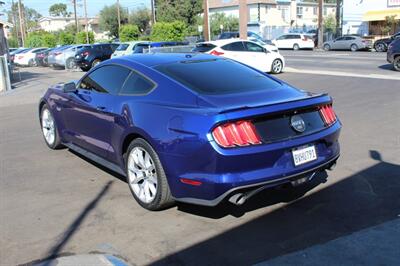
x=107 y=79
x=340 y=39
x=283 y=37
x=252 y=47
x=136 y=84
x=235 y=46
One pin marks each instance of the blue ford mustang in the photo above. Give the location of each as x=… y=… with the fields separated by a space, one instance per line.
x=192 y=127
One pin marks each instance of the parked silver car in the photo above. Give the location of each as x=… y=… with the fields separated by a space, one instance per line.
x=56 y=52
x=352 y=43
x=65 y=57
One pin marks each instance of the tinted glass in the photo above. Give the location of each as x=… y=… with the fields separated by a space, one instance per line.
x=252 y=47
x=122 y=47
x=340 y=39
x=203 y=47
x=223 y=76
x=136 y=84
x=283 y=37
x=235 y=46
x=139 y=48
x=107 y=79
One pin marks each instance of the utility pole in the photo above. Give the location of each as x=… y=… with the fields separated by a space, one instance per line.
x=206 y=28
x=338 y=18
x=76 y=18
x=21 y=23
x=153 y=13
x=119 y=17
x=320 y=23
x=86 y=23
x=15 y=23
x=243 y=19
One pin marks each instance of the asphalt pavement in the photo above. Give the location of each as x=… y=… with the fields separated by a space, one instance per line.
x=58 y=204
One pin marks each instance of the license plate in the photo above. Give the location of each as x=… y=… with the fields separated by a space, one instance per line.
x=304 y=155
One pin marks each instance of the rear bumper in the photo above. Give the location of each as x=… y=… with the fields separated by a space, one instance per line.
x=222 y=172
x=83 y=62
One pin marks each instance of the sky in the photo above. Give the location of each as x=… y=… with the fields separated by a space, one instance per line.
x=93 y=6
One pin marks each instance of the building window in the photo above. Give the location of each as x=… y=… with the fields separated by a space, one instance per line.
x=325 y=11
x=284 y=13
x=315 y=11
x=299 y=12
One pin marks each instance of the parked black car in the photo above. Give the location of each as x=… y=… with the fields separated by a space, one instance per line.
x=382 y=44
x=91 y=55
x=41 y=57
x=393 y=54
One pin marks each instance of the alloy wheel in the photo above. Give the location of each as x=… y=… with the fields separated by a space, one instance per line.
x=277 y=66
x=142 y=175
x=353 y=47
x=48 y=127
x=380 y=47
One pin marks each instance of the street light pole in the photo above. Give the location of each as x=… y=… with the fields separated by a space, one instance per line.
x=206 y=28
x=86 y=23
x=76 y=18
x=119 y=17
x=243 y=19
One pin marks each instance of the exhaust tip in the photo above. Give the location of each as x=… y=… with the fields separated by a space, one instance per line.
x=238 y=199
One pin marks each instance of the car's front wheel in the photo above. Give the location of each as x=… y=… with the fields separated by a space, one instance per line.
x=327 y=47
x=296 y=47
x=146 y=177
x=49 y=128
x=396 y=63
x=277 y=66
x=380 y=47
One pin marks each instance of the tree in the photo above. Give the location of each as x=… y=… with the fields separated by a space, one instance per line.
x=129 y=33
x=141 y=18
x=230 y=23
x=330 y=23
x=168 y=31
x=65 y=38
x=81 y=37
x=12 y=42
x=183 y=10
x=31 y=18
x=59 y=10
x=109 y=19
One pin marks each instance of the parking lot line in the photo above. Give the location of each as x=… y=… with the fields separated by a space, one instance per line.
x=339 y=73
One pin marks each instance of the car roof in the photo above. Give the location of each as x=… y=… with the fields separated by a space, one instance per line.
x=155 y=59
x=226 y=41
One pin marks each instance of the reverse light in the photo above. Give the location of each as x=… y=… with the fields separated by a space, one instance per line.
x=214 y=52
x=328 y=115
x=241 y=133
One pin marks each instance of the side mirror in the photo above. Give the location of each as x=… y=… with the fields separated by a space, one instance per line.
x=69 y=87
x=265 y=50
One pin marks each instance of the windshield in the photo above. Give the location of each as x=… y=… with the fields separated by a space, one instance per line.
x=223 y=76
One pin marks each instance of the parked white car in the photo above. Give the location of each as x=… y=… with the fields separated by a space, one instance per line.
x=246 y=52
x=126 y=48
x=294 y=41
x=27 y=58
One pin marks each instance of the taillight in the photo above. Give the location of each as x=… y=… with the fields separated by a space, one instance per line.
x=57 y=53
x=214 y=52
x=241 y=133
x=85 y=53
x=328 y=114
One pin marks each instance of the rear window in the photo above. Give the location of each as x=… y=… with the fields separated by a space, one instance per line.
x=139 y=48
x=223 y=76
x=122 y=47
x=203 y=47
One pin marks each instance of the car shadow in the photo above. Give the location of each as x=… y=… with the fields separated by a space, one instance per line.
x=362 y=200
x=386 y=67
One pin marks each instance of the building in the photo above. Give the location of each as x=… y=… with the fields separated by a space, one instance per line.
x=52 y=24
x=289 y=13
x=367 y=17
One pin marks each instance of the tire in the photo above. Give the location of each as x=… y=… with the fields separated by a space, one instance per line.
x=96 y=62
x=85 y=69
x=327 y=47
x=354 y=47
x=380 y=47
x=145 y=174
x=277 y=66
x=70 y=63
x=30 y=63
x=296 y=47
x=49 y=128
x=396 y=63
